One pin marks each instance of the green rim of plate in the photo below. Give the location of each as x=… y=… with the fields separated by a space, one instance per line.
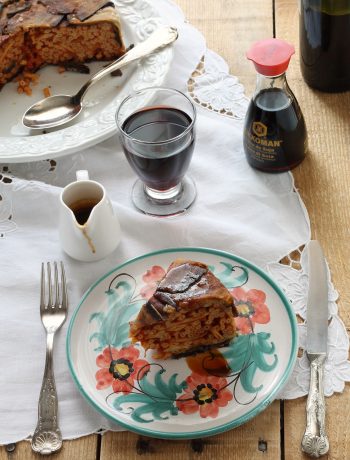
x=218 y=429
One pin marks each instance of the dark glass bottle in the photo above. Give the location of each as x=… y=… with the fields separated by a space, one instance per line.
x=274 y=138
x=324 y=34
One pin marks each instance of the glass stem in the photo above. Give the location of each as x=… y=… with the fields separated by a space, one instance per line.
x=164 y=195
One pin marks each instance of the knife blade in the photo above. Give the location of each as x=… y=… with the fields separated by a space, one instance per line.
x=315 y=440
x=317 y=300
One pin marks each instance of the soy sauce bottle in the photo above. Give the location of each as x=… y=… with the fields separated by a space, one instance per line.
x=324 y=36
x=274 y=137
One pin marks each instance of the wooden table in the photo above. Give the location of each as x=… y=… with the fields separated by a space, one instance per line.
x=230 y=26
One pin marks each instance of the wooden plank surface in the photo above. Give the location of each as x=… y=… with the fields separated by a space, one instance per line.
x=260 y=437
x=323 y=179
x=80 y=449
x=230 y=27
x=323 y=182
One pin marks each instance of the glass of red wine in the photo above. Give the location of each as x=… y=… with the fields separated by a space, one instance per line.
x=157 y=132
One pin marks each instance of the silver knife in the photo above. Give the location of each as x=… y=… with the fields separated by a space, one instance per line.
x=315 y=441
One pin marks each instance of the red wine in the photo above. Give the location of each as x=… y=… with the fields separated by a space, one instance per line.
x=159 y=149
x=274 y=132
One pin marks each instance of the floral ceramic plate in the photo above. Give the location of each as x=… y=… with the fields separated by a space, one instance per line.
x=97 y=120
x=186 y=397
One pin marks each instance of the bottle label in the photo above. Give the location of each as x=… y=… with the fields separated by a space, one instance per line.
x=259 y=146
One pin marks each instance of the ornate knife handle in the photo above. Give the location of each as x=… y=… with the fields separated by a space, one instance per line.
x=47 y=437
x=315 y=441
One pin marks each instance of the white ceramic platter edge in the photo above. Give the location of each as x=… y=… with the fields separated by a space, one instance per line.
x=97 y=121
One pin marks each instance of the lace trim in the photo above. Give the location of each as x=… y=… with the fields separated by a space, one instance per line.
x=7 y=224
x=213 y=88
x=295 y=281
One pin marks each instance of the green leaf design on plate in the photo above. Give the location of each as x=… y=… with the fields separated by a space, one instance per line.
x=231 y=275
x=114 y=323
x=247 y=354
x=156 y=399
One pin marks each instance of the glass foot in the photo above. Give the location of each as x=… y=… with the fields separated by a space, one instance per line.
x=164 y=207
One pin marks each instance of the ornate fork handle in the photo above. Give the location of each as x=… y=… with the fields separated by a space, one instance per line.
x=315 y=441
x=47 y=437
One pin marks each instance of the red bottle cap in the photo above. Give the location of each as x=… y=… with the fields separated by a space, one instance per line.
x=271 y=56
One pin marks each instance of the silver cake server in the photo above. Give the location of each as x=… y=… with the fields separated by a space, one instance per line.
x=315 y=442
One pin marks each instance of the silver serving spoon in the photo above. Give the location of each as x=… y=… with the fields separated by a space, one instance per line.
x=57 y=110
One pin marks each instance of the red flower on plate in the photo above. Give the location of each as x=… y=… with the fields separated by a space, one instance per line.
x=119 y=368
x=206 y=394
x=151 y=278
x=251 y=309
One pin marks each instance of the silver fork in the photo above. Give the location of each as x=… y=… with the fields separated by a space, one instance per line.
x=47 y=437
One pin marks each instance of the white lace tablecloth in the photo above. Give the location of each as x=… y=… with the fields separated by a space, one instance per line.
x=253 y=215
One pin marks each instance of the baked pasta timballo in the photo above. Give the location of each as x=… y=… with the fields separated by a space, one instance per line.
x=190 y=311
x=38 y=32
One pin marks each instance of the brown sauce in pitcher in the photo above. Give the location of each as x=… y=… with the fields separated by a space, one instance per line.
x=82 y=209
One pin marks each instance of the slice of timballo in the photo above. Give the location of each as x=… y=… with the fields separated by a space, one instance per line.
x=190 y=311
x=34 y=33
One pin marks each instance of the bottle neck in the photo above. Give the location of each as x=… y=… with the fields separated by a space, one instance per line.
x=272 y=93
x=268 y=83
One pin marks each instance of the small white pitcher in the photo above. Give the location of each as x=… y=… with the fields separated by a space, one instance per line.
x=89 y=230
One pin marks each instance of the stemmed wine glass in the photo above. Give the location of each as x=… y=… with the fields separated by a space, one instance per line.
x=157 y=132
